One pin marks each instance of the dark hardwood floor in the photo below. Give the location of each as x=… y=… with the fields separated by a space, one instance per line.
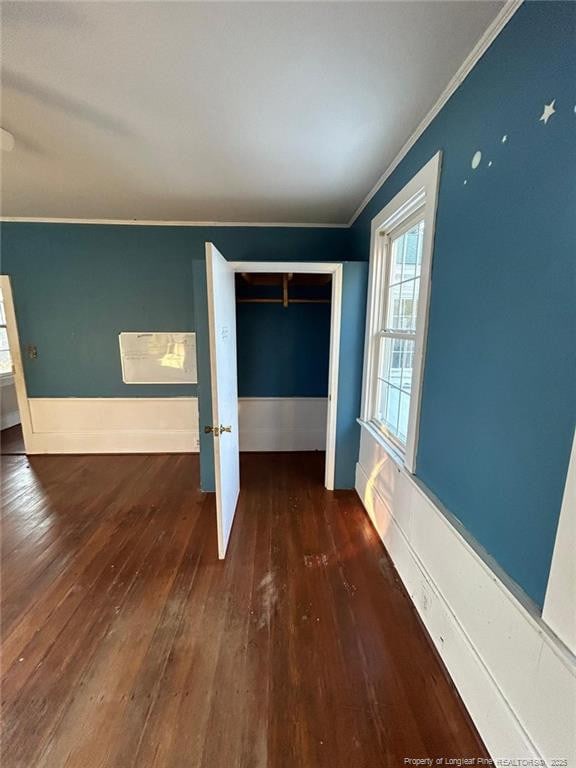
x=126 y=643
x=11 y=441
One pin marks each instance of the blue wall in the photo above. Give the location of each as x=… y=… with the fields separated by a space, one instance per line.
x=77 y=286
x=283 y=352
x=353 y=323
x=499 y=393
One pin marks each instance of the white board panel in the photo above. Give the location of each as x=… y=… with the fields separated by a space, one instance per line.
x=158 y=358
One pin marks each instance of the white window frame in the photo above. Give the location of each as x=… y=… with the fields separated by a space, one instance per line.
x=7 y=377
x=421 y=193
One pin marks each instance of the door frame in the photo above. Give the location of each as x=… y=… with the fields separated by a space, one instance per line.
x=16 y=354
x=318 y=268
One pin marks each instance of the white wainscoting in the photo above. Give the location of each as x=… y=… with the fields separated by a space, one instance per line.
x=516 y=678
x=114 y=425
x=10 y=416
x=559 y=610
x=170 y=424
x=282 y=423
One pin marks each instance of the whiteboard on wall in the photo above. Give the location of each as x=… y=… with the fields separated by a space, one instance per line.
x=158 y=358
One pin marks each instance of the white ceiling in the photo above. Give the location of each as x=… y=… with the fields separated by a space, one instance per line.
x=212 y=111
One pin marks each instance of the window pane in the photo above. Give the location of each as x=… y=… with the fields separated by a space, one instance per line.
x=407 y=362
x=384 y=358
x=414 y=238
x=2 y=313
x=407 y=254
x=395 y=362
x=388 y=406
x=397 y=261
x=3 y=339
x=403 y=305
x=403 y=416
x=5 y=362
x=394 y=385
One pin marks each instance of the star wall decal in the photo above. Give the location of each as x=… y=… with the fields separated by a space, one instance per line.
x=548 y=111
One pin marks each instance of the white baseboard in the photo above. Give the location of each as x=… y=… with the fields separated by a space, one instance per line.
x=282 y=423
x=9 y=420
x=170 y=424
x=515 y=677
x=114 y=425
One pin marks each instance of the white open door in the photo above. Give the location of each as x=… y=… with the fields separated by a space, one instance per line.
x=222 y=325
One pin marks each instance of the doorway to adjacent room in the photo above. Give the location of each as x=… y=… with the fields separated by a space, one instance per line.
x=14 y=421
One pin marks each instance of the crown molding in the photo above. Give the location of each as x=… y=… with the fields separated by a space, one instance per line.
x=466 y=67
x=162 y=223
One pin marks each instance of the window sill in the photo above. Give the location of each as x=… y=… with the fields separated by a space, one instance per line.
x=390 y=449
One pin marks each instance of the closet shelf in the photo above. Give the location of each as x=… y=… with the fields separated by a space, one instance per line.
x=284 y=282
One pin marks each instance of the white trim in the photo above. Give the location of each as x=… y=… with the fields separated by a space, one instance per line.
x=114 y=425
x=380 y=438
x=302 y=267
x=559 y=610
x=421 y=190
x=137 y=441
x=517 y=680
x=281 y=398
x=321 y=268
x=161 y=223
x=333 y=374
x=14 y=343
x=282 y=423
x=169 y=424
x=464 y=70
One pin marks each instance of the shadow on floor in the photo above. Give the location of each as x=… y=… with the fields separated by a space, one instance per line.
x=12 y=442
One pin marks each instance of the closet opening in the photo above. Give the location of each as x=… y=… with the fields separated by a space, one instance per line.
x=283 y=322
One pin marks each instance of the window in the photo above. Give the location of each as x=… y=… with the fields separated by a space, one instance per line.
x=397 y=333
x=5 y=357
x=402 y=236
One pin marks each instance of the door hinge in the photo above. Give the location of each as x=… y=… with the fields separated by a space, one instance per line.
x=217 y=431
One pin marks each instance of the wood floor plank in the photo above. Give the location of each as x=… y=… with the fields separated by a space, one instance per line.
x=128 y=644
